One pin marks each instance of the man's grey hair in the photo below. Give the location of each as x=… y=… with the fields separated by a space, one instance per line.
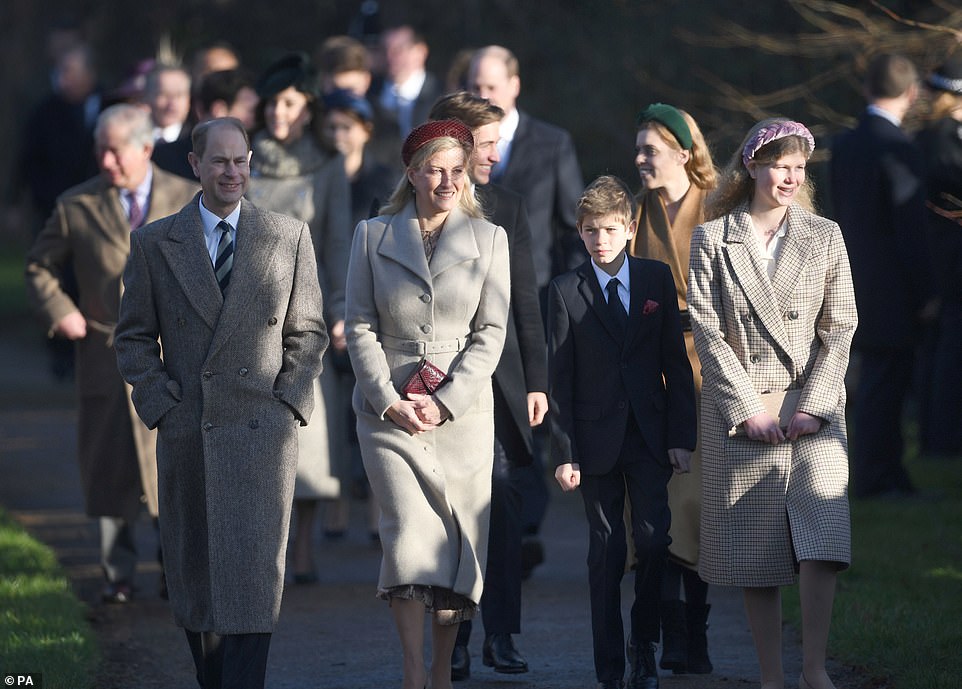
x=140 y=130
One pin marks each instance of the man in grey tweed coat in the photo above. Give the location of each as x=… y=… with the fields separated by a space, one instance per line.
x=240 y=352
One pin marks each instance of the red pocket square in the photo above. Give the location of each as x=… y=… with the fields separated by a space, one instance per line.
x=650 y=307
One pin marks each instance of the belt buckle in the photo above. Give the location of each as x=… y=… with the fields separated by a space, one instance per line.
x=420 y=347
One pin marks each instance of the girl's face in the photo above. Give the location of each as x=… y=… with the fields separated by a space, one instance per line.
x=287 y=114
x=777 y=183
x=438 y=183
x=345 y=132
x=659 y=165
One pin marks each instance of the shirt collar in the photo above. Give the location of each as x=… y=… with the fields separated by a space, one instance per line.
x=623 y=276
x=210 y=220
x=509 y=125
x=141 y=192
x=884 y=114
x=411 y=88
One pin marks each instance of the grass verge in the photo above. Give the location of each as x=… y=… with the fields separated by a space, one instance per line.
x=42 y=624
x=897 y=609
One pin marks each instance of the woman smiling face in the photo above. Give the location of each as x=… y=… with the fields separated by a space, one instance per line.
x=287 y=114
x=439 y=182
x=777 y=183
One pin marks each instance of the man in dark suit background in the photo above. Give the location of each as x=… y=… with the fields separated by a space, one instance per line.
x=520 y=396
x=622 y=388
x=877 y=184
x=88 y=236
x=233 y=293
x=537 y=161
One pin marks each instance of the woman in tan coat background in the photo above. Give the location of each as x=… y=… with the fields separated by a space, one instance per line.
x=677 y=173
x=773 y=309
x=429 y=279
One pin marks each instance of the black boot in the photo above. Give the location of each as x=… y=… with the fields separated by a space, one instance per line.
x=642 y=671
x=674 y=637
x=698 y=661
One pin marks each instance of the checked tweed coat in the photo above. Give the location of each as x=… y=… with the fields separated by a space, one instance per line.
x=434 y=488
x=235 y=378
x=766 y=507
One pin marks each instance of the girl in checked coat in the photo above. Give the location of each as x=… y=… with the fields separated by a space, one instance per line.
x=773 y=309
x=429 y=278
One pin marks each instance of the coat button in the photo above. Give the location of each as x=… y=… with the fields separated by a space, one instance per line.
x=243 y=372
x=272 y=321
x=793 y=315
x=426 y=298
x=755 y=358
x=208 y=375
x=254 y=423
x=208 y=426
x=426 y=329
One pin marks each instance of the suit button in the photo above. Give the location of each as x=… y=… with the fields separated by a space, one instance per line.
x=755 y=358
x=793 y=315
x=208 y=426
x=182 y=321
x=254 y=423
x=208 y=375
x=272 y=321
x=243 y=372
x=621 y=405
x=747 y=317
x=426 y=298
x=426 y=329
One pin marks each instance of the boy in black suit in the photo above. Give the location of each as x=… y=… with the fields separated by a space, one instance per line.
x=622 y=386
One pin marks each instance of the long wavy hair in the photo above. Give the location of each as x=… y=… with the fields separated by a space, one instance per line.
x=404 y=192
x=736 y=186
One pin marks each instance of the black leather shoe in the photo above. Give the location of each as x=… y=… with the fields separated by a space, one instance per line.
x=460 y=663
x=611 y=684
x=499 y=652
x=644 y=672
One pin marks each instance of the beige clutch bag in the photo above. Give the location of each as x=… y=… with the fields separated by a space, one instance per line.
x=781 y=406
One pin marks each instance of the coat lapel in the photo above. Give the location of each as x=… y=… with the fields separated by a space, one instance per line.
x=591 y=292
x=457 y=244
x=401 y=242
x=639 y=288
x=187 y=256
x=110 y=218
x=792 y=257
x=745 y=261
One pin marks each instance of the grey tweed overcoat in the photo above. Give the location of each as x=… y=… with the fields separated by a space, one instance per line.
x=226 y=396
x=434 y=488
x=764 y=507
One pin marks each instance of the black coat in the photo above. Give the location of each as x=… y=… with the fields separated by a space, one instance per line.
x=879 y=198
x=172 y=157
x=523 y=367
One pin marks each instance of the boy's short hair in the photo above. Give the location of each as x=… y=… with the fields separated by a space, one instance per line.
x=607 y=195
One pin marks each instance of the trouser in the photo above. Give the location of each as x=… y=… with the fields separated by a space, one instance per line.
x=118 y=551
x=229 y=661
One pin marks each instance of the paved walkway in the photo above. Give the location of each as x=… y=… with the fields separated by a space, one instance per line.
x=334 y=634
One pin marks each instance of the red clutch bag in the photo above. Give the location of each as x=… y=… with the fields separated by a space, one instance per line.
x=425 y=379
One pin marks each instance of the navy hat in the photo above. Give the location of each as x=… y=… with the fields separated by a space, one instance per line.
x=948 y=75
x=344 y=99
x=294 y=69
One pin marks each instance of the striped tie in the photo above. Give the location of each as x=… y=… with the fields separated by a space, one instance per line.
x=225 y=256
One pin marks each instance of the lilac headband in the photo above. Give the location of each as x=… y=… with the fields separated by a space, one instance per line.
x=772 y=132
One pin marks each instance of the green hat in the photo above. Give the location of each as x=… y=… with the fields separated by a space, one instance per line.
x=671 y=118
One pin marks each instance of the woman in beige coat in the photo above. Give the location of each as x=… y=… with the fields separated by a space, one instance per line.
x=773 y=309
x=429 y=279
x=677 y=173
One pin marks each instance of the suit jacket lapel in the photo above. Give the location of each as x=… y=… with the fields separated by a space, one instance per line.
x=456 y=244
x=186 y=254
x=746 y=264
x=639 y=288
x=401 y=242
x=591 y=292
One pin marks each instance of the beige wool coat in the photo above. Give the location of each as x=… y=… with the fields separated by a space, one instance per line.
x=234 y=383
x=89 y=232
x=765 y=507
x=434 y=489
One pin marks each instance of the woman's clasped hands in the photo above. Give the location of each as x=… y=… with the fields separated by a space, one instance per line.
x=419 y=414
x=764 y=428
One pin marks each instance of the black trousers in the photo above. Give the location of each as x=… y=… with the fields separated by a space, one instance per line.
x=884 y=379
x=229 y=661
x=643 y=480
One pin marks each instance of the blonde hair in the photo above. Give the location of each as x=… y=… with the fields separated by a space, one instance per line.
x=735 y=185
x=404 y=192
x=607 y=195
x=700 y=167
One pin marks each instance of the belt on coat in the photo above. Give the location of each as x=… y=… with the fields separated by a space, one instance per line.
x=685 y=320
x=421 y=347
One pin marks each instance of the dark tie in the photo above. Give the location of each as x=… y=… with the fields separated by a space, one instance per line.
x=135 y=213
x=615 y=307
x=225 y=256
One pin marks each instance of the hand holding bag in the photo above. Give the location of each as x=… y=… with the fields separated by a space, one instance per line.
x=425 y=380
x=781 y=406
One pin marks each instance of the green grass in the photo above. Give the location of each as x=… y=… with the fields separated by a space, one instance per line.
x=42 y=625
x=898 y=609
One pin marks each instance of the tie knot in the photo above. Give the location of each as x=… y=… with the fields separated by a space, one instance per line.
x=224 y=226
x=613 y=286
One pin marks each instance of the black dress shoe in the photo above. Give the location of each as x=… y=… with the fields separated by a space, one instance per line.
x=612 y=684
x=644 y=672
x=499 y=652
x=460 y=663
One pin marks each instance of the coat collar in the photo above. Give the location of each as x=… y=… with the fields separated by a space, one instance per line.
x=769 y=298
x=401 y=243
